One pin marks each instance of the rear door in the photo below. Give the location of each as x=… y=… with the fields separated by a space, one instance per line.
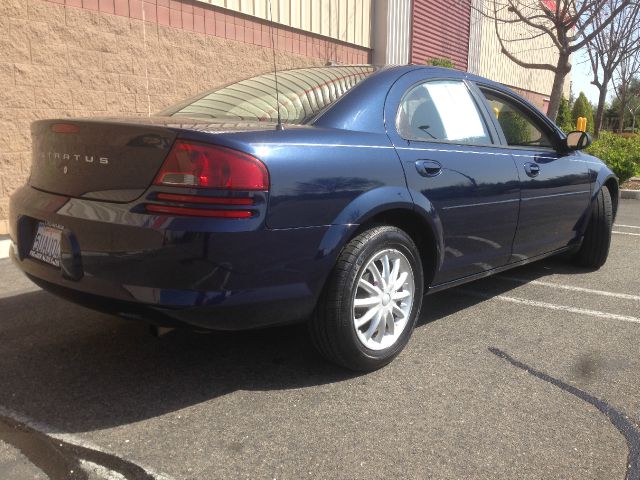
x=555 y=186
x=445 y=142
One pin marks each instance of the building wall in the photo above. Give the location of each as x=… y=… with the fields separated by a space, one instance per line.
x=391 y=32
x=440 y=29
x=346 y=20
x=98 y=58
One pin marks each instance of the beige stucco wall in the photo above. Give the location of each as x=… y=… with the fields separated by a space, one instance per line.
x=60 y=61
x=345 y=20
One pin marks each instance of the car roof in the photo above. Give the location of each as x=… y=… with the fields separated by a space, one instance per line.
x=445 y=72
x=371 y=93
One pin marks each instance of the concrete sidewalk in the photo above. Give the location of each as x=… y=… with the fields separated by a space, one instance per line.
x=631 y=194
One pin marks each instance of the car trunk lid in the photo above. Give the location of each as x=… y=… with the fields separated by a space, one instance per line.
x=103 y=160
x=117 y=159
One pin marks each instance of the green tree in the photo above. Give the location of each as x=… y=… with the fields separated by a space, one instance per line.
x=611 y=51
x=582 y=108
x=564 y=119
x=632 y=99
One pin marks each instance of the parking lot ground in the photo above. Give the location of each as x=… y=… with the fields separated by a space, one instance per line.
x=534 y=373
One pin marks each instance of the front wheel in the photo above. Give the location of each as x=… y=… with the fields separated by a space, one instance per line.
x=594 y=250
x=370 y=304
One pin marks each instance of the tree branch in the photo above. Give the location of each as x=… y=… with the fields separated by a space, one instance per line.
x=587 y=38
x=517 y=61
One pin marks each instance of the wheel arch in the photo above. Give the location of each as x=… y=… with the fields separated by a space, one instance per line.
x=418 y=228
x=612 y=185
x=386 y=206
x=604 y=177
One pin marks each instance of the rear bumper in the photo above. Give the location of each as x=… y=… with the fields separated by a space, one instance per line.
x=209 y=273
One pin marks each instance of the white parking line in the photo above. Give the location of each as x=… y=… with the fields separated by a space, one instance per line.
x=101 y=472
x=625 y=226
x=77 y=441
x=552 y=306
x=604 y=293
x=627 y=233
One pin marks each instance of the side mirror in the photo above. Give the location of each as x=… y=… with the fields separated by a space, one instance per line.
x=577 y=140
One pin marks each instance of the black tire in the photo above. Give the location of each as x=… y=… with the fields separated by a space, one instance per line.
x=332 y=328
x=594 y=250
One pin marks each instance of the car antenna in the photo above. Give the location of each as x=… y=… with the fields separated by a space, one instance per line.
x=279 y=125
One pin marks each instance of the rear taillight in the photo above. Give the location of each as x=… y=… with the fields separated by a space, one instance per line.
x=200 y=165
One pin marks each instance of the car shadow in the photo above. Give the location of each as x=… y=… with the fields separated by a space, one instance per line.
x=76 y=370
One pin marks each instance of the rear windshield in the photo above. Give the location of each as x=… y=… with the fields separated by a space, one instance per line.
x=303 y=93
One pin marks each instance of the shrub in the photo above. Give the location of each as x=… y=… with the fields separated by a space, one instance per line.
x=440 y=62
x=621 y=154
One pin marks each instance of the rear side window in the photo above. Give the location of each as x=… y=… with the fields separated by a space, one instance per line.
x=519 y=127
x=442 y=111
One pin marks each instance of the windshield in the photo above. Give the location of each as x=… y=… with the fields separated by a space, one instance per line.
x=302 y=93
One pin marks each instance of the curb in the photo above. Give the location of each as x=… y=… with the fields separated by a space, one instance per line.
x=633 y=194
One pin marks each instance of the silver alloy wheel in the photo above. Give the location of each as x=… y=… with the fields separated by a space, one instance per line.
x=383 y=299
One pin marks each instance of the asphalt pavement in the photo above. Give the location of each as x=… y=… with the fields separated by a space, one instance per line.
x=534 y=373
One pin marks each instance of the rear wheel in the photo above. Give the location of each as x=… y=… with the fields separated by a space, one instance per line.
x=370 y=304
x=594 y=250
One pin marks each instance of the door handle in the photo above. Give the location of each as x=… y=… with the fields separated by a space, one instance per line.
x=428 y=168
x=532 y=169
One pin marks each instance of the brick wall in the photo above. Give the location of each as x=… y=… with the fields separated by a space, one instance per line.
x=61 y=58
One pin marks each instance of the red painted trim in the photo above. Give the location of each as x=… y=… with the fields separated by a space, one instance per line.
x=197 y=212
x=172 y=197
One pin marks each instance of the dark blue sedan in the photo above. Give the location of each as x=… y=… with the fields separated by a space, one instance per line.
x=376 y=186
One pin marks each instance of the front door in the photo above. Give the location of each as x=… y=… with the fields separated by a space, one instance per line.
x=446 y=145
x=555 y=186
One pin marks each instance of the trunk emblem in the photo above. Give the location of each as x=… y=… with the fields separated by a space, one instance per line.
x=65 y=170
x=57 y=156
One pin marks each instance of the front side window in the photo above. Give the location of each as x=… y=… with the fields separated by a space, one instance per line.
x=519 y=127
x=441 y=110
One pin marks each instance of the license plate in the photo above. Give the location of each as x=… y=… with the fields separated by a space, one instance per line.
x=46 y=244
